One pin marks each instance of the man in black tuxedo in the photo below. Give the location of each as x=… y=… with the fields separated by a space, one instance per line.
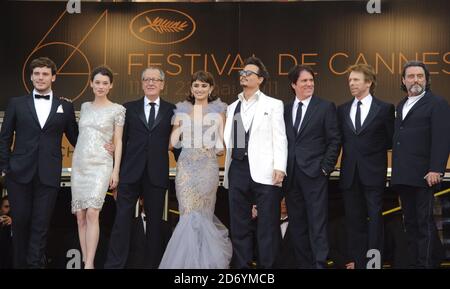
x=313 y=148
x=367 y=125
x=144 y=169
x=138 y=257
x=419 y=157
x=33 y=166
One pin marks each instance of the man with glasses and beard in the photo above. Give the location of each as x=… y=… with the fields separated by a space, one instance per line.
x=419 y=157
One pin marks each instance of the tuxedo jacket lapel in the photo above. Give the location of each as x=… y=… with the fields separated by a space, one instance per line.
x=399 y=110
x=163 y=108
x=347 y=117
x=55 y=104
x=141 y=112
x=290 y=124
x=418 y=104
x=30 y=102
x=374 y=108
x=309 y=113
x=259 y=113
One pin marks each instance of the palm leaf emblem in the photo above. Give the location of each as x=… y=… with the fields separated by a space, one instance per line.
x=162 y=25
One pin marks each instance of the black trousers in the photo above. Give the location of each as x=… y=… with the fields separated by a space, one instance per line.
x=307 y=204
x=119 y=243
x=32 y=206
x=242 y=194
x=417 y=206
x=364 y=220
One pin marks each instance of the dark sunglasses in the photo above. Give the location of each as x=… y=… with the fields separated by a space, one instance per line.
x=248 y=73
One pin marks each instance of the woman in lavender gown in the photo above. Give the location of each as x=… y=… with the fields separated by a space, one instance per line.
x=200 y=240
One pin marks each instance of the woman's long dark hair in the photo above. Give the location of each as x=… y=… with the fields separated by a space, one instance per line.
x=203 y=76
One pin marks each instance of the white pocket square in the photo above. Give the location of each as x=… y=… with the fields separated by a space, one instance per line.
x=60 y=109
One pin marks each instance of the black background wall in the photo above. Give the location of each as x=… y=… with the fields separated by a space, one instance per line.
x=218 y=36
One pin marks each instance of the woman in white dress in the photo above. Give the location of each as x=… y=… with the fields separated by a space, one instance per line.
x=94 y=170
x=200 y=240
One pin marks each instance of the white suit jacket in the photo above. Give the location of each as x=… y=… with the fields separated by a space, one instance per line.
x=267 y=147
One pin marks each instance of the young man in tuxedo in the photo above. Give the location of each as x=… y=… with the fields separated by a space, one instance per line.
x=255 y=166
x=367 y=125
x=36 y=123
x=313 y=148
x=419 y=156
x=144 y=170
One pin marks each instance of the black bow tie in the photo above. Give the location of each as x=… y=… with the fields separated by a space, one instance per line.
x=37 y=96
x=284 y=221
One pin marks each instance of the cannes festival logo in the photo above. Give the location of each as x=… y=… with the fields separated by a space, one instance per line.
x=162 y=26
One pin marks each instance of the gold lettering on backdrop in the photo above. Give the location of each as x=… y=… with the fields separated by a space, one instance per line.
x=192 y=61
x=205 y=62
x=175 y=64
x=304 y=55
x=429 y=63
x=130 y=61
x=444 y=58
x=169 y=61
x=402 y=60
x=73 y=50
x=149 y=61
x=288 y=57
x=220 y=71
x=361 y=56
x=331 y=63
x=280 y=58
x=233 y=65
x=390 y=68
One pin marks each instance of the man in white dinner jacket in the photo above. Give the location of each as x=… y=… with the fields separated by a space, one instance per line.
x=255 y=167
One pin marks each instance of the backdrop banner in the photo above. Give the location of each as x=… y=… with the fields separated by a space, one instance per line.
x=182 y=38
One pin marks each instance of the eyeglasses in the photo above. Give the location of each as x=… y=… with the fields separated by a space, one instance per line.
x=152 y=80
x=248 y=73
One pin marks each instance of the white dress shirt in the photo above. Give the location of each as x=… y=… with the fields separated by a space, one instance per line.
x=144 y=222
x=283 y=227
x=412 y=100
x=43 y=107
x=366 y=102
x=304 y=108
x=248 y=108
x=147 y=107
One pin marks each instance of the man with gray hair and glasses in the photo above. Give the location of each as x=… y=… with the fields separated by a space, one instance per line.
x=144 y=169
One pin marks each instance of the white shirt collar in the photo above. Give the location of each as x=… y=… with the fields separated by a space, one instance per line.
x=252 y=98
x=366 y=101
x=147 y=101
x=305 y=101
x=50 y=93
x=413 y=99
